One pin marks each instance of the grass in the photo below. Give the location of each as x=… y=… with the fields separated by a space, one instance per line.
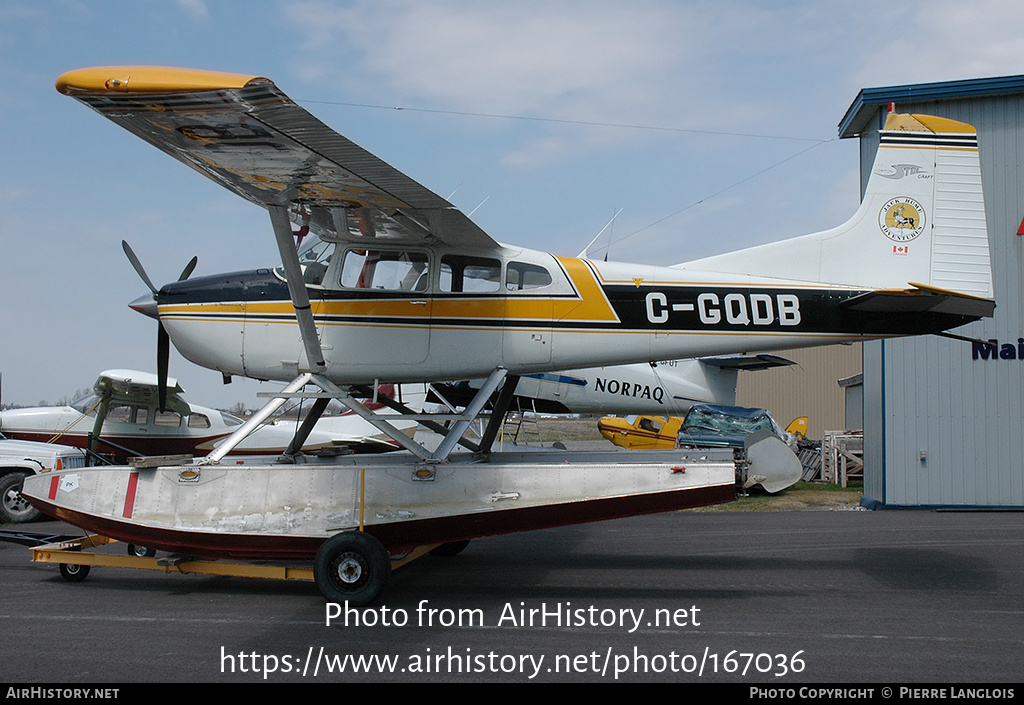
x=801 y=496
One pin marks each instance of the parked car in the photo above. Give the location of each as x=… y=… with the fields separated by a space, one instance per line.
x=18 y=460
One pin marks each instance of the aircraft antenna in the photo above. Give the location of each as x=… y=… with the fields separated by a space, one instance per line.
x=468 y=215
x=607 y=225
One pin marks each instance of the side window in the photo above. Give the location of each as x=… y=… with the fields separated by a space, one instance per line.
x=167 y=419
x=121 y=413
x=522 y=276
x=124 y=413
x=198 y=421
x=382 y=269
x=460 y=273
x=649 y=424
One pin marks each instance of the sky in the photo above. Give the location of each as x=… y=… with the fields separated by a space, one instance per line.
x=706 y=126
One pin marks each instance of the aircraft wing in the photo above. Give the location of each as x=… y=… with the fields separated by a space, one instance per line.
x=245 y=134
x=133 y=387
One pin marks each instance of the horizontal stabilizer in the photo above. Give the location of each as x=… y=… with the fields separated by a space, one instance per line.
x=920 y=299
x=747 y=362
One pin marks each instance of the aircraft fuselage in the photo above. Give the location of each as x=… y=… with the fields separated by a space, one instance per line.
x=408 y=314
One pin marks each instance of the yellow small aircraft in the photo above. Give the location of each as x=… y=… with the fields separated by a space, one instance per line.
x=636 y=432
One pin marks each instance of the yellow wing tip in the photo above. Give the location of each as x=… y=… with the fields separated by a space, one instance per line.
x=149 y=79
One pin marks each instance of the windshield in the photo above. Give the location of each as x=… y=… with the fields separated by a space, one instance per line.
x=86 y=404
x=314 y=257
x=707 y=421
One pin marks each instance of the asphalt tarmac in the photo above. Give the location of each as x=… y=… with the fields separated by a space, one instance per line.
x=780 y=598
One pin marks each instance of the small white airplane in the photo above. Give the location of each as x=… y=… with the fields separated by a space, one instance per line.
x=121 y=418
x=402 y=287
x=667 y=387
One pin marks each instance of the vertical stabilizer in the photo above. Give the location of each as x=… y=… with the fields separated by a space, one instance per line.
x=921 y=222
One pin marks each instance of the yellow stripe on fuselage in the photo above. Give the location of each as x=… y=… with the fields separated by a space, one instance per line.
x=590 y=305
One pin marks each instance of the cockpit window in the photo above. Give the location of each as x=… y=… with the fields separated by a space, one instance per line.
x=391 y=270
x=460 y=273
x=522 y=276
x=86 y=405
x=314 y=258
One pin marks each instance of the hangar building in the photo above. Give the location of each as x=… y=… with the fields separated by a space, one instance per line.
x=942 y=417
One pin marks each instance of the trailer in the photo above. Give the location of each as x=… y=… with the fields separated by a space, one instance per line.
x=346 y=522
x=75 y=556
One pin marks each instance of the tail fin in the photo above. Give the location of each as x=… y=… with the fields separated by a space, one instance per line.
x=921 y=222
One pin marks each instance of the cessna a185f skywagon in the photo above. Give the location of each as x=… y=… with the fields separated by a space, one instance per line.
x=400 y=287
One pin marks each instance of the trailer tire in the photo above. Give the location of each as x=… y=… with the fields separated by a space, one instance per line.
x=74 y=573
x=140 y=551
x=351 y=567
x=14 y=508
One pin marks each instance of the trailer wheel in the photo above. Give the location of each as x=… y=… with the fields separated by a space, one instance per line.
x=351 y=567
x=140 y=551
x=73 y=572
x=453 y=548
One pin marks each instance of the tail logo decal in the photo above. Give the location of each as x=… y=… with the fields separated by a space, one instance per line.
x=901 y=219
x=902 y=171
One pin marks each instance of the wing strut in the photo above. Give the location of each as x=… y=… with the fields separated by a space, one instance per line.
x=297 y=287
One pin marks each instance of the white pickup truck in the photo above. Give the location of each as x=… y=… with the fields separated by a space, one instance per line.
x=18 y=460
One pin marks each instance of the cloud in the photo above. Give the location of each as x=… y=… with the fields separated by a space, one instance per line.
x=946 y=40
x=196 y=9
x=515 y=58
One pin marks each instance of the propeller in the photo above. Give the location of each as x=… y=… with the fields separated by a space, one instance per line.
x=148 y=306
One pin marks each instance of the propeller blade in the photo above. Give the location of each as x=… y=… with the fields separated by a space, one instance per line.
x=187 y=271
x=163 y=352
x=138 y=265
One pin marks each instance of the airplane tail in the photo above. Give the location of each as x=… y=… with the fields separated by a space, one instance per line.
x=920 y=225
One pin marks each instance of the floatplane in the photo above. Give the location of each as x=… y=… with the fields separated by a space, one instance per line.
x=401 y=286
x=125 y=416
x=663 y=387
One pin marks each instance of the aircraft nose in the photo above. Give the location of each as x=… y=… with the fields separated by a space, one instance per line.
x=146 y=304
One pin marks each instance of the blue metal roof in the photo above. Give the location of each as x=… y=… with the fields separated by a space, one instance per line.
x=859 y=114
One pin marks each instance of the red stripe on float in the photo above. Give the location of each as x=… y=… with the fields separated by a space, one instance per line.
x=129 y=498
x=54 y=484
